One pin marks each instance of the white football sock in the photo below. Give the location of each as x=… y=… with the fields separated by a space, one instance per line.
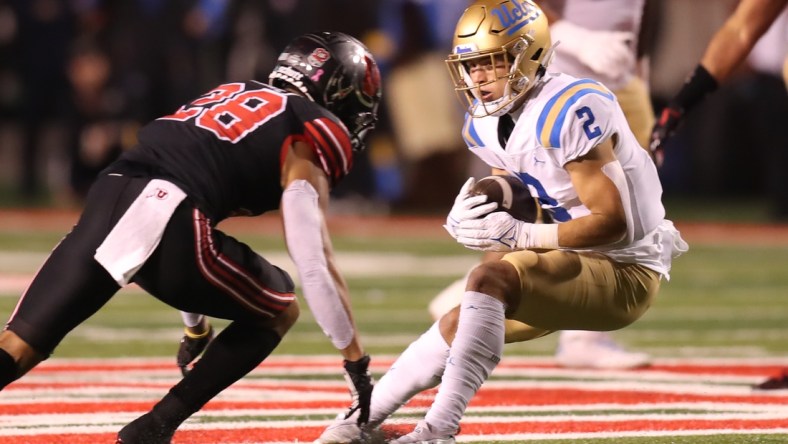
x=418 y=368
x=191 y=319
x=476 y=350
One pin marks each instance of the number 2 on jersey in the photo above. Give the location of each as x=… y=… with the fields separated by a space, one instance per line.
x=590 y=132
x=230 y=112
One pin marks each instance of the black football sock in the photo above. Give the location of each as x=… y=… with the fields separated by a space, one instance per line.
x=236 y=351
x=8 y=369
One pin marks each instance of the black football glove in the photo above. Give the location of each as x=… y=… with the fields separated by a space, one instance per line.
x=664 y=129
x=190 y=348
x=698 y=85
x=360 y=383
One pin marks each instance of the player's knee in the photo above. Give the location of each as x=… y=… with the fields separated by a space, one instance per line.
x=498 y=279
x=288 y=318
x=282 y=322
x=625 y=316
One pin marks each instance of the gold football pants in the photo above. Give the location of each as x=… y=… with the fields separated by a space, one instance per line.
x=635 y=101
x=568 y=290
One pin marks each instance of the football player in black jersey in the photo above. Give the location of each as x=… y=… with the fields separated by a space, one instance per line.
x=243 y=148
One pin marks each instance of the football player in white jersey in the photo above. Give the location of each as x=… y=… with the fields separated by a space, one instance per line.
x=599 y=268
x=598 y=40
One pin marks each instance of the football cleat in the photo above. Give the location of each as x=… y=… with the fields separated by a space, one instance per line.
x=190 y=348
x=344 y=430
x=597 y=350
x=424 y=434
x=776 y=383
x=147 y=429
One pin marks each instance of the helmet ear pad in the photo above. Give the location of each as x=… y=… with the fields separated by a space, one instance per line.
x=337 y=72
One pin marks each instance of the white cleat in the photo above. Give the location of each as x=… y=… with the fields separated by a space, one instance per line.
x=423 y=434
x=342 y=431
x=597 y=350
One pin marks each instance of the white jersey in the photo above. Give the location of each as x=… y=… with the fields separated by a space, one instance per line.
x=562 y=120
x=597 y=15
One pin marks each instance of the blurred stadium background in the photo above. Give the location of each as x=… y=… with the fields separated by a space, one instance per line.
x=78 y=77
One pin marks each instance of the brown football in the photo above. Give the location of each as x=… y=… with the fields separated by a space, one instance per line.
x=513 y=197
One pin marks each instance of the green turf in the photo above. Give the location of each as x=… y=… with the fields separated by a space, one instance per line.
x=722 y=301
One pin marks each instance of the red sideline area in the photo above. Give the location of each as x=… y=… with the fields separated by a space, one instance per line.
x=307 y=434
x=74 y=376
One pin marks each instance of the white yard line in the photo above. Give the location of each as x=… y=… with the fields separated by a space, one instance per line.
x=602 y=435
x=136 y=384
x=18 y=267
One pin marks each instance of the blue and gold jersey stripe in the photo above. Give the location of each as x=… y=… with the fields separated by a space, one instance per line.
x=548 y=127
x=469 y=133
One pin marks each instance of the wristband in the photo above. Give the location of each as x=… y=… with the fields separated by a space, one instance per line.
x=698 y=85
x=539 y=236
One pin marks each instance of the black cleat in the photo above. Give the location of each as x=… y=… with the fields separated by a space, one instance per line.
x=775 y=383
x=191 y=347
x=147 y=429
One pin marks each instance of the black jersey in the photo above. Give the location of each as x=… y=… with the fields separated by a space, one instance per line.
x=226 y=148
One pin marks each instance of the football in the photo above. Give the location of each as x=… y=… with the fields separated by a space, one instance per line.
x=513 y=197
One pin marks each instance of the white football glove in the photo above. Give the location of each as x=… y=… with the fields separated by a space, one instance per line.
x=467 y=207
x=499 y=231
x=604 y=52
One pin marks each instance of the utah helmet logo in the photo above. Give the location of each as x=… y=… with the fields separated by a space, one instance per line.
x=318 y=57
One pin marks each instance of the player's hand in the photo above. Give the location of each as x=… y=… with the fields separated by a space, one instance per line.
x=604 y=52
x=664 y=129
x=467 y=207
x=497 y=231
x=191 y=347
x=360 y=383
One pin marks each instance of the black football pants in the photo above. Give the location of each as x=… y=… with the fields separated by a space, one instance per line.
x=194 y=268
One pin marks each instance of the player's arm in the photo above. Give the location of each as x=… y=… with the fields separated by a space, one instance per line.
x=729 y=46
x=304 y=204
x=601 y=185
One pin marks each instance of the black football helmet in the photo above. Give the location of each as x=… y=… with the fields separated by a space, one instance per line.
x=336 y=71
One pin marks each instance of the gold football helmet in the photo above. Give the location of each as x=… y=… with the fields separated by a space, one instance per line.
x=514 y=30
